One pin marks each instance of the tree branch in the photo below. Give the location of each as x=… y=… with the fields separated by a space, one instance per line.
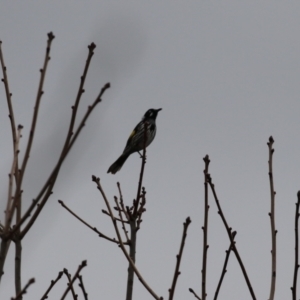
x=205 y=227
x=229 y=229
x=52 y=283
x=24 y=290
x=138 y=195
x=8 y=98
x=100 y=234
x=99 y=187
x=52 y=178
x=224 y=270
x=81 y=285
x=178 y=257
x=272 y=219
x=196 y=296
x=70 y=286
x=296 y=267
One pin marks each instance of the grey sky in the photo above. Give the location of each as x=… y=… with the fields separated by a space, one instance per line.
x=227 y=77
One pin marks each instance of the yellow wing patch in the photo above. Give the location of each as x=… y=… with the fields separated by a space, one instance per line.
x=132 y=134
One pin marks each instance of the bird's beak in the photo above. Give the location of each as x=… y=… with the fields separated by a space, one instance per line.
x=159 y=109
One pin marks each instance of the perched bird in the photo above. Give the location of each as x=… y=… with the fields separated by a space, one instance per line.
x=136 y=139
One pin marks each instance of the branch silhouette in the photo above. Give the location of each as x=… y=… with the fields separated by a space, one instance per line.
x=272 y=219
x=229 y=233
x=296 y=267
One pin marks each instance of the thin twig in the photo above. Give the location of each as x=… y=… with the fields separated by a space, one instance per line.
x=47 y=189
x=97 y=181
x=117 y=219
x=81 y=285
x=12 y=172
x=24 y=290
x=40 y=92
x=8 y=98
x=52 y=283
x=296 y=267
x=196 y=296
x=137 y=201
x=70 y=284
x=229 y=232
x=18 y=191
x=121 y=218
x=52 y=178
x=80 y=267
x=205 y=227
x=272 y=219
x=178 y=257
x=224 y=270
x=121 y=201
x=100 y=234
x=141 y=209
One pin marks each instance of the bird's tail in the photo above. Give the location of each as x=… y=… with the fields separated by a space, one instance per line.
x=117 y=165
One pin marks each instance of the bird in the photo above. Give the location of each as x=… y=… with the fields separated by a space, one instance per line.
x=136 y=140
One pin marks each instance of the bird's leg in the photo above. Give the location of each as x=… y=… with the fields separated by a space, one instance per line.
x=141 y=156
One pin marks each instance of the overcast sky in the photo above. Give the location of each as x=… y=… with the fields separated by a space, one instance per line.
x=226 y=74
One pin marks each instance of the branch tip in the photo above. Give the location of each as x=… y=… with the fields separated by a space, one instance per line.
x=51 y=36
x=92 y=46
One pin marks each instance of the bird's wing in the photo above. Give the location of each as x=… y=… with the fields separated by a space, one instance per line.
x=134 y=137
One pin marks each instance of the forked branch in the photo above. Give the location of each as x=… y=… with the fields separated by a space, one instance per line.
x=24 y=290
x=224 y=270
x=71 y=282
x=113 y=219
x=229 y=233
x=100 y=234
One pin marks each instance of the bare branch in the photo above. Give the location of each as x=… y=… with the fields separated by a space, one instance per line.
x=70 y=286
x=229 y=232
x=205 y=227
x=100 y=234
x=224 y=270
x=11 y=175
x=272 y=219
x=178 y=257
x=18 y=263
x=97 y=181
x=132 y=251
x=8 y=98
x=24 y=290
x=138 y=195
x=121 y=201
x=196 y=296
x=141 y=209
x=81 y=285
x=52 y=178
x=40 y=92
x=52 y=283
x=121 y=218
x=296 y=267
x=117 y=219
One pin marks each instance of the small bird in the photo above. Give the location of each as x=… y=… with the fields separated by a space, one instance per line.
x=136 y=139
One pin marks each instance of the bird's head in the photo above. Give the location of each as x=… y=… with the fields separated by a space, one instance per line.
x=151 y=113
